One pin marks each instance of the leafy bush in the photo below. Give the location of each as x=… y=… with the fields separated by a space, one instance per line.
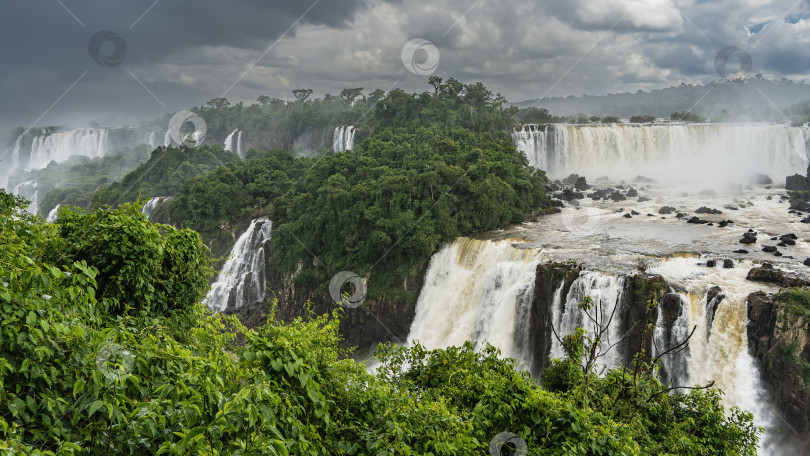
x=155 y=268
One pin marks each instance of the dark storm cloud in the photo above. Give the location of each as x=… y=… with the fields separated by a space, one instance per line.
x=45 y=45
x=184 y=52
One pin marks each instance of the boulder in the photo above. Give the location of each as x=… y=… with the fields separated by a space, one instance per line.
x=767 y=273
x=706 y=210
x=666 y=210
x=632 y=193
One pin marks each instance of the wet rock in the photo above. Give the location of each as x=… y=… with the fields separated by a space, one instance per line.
x=569 y=195
x=725 y=223
x=680 y=215
x=651 y=215
x=697 y=220
x=769 y=249
x=713 y=299
x=711 y=263
x=632 y=193
x=728 y=264
x=706 y=210
x=634 y=213
x=627 y=216
x=731 y=208
x=749 y=237
x=807 y=262
x=617 y=196
x=581 y=184
x=666 y=210
x=781 y=244
x=571 y=179
x=767 y=273
x=788 y=239
x=777 y=253
x=643 y=199
x=741 y=251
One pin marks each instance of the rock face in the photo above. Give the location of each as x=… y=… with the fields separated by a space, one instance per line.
x=360 y=327
x=781 y=342
x=547 y=281
x=633 y=312
x=797 y=182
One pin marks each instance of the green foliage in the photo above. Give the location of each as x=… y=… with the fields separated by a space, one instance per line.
x=165 y=172
x=646 y=118
x=155 y=268
x=75 y=379
x=686 y=117
x=795 y=301
x=437 y=166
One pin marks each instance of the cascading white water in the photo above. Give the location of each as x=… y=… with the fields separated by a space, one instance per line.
x=29 y=191
x=567 y=316
x=233 y=143
x=150 y=205
x=242 y=279
x=53 y=213
x=718 y=349
x=532 y=140
x=474 y=290
x=343 y=139
x=669 y=342
x=673 y=152
x=34 y=150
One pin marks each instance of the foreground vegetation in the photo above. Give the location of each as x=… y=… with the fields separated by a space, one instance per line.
x=105 y=349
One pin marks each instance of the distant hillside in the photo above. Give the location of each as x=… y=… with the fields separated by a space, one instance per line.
x=751 y=99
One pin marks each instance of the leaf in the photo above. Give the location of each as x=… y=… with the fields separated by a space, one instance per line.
x=94 y=406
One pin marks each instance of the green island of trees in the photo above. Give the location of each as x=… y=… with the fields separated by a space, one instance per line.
x=106 y=349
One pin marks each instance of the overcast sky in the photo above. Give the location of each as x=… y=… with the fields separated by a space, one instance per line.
x=180 y=53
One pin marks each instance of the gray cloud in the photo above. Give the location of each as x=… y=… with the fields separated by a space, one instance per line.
x=186 y=51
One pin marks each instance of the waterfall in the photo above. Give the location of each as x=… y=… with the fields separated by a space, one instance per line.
x=694 y=152
x=52 y=214
x=343 y=139
x=476 y=290
x=233 y=143
x=606 y=293
x=532 y=140
x=153 y=203
x=29 y=191
x=718 y=349
x=167 y=139
x=242 y=279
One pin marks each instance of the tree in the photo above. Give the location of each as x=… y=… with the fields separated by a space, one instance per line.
x=264 y=100
x=351 y=94
x=302 y=94
x=218 y=104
